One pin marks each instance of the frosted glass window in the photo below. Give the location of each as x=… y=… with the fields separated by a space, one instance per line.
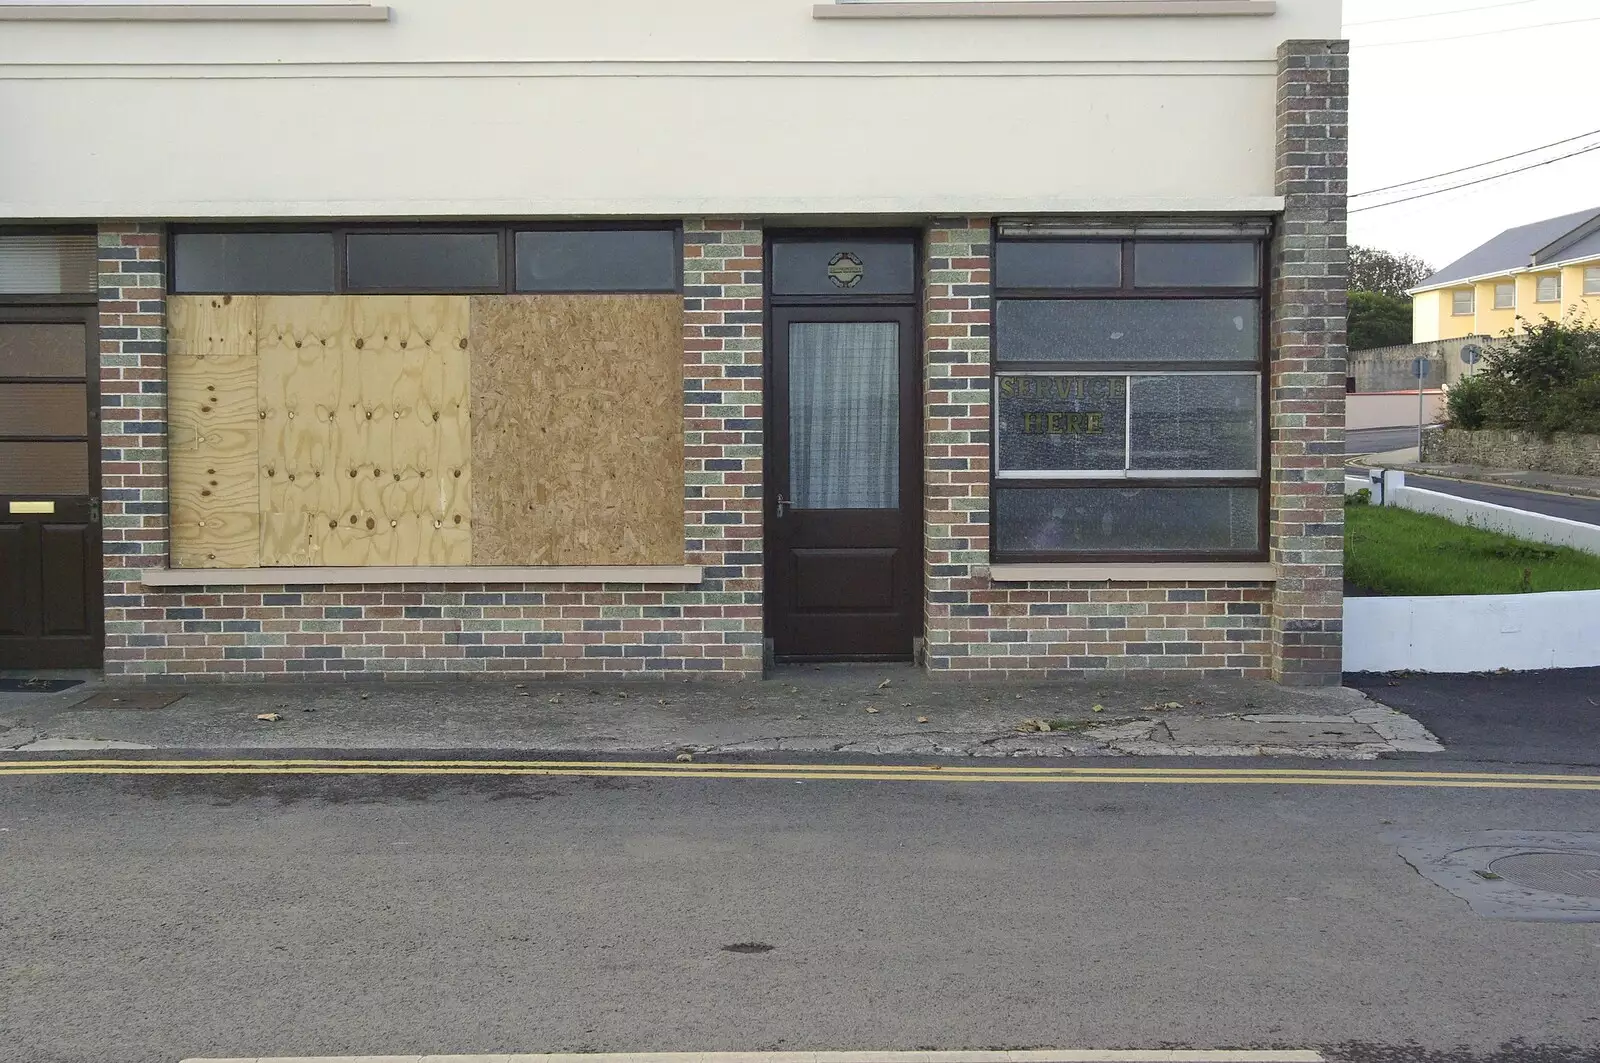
x=1505 y=296
x=844 y=267
x=1461 y=302
x=242 y=263
x=844 y=415
x=1549 y=290
x=1061 y=423
x=1591 y=280
x=1128 y=330
x=1195 y=264
x=1058 y=264
x=422 y=262
x=597 y=260
x=48 y=264
x=1194 y=422
x=1128 y=519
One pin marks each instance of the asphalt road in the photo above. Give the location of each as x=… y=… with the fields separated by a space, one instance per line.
x=1572 y=507
x=144 y=920
x=1379 y=440
x=1522 y=719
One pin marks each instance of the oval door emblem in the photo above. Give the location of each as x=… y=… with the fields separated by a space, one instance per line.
x=845 y=270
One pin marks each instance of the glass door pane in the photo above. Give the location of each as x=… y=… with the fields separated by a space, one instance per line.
x=844 y=415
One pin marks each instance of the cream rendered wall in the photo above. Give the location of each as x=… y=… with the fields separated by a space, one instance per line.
x=1425 y=315
x=1528 y=305
x=501 y=107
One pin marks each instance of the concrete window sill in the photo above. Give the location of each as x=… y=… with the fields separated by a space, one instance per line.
x=1042 y=9
x=1155 y=572
x=666 y=575
x=193 y=12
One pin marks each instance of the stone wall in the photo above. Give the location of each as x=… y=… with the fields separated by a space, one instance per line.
x=1389 y=368
x=1499 y=449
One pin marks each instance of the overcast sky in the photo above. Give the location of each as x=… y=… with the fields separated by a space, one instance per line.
x=1424 y=108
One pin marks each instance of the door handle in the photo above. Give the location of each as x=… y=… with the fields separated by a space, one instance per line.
x=783 y=504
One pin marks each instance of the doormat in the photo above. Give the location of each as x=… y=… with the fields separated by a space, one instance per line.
x=131 y=699
x=28 y=684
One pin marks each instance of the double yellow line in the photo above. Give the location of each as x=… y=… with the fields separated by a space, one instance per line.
x=953 y=772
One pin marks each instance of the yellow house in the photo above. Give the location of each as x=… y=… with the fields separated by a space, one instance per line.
x=1550 y=268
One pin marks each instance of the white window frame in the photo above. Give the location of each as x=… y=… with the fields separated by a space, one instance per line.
x=1591 y=280
x=1455 y=302
x=1502 y=288
x=1126 y=472
x=1538 y=288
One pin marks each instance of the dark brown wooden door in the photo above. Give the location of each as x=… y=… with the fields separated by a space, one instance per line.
x=49 y=513
x=844 y=492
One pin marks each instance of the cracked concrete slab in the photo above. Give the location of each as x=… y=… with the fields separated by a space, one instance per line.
x=891 y=711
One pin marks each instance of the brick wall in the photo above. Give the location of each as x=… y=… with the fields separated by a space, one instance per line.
x=975 y=627
x=372 y=629
x=1310 y=271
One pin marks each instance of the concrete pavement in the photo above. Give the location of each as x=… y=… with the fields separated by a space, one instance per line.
x=893 y=711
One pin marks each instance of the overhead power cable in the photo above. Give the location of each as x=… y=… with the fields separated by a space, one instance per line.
x=1482 y=33
x=1478 y=181
x=1441 y=14
x=1475 y=166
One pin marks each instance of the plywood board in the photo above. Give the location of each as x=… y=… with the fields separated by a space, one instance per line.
x=213 y=431
x=577 y=429
x=366 y=442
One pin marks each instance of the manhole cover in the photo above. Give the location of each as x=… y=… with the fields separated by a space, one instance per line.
x=131 y=699
x=1574 y=874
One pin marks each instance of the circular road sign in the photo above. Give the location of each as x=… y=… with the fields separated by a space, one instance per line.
x=1419 y=368
x=1471 y=354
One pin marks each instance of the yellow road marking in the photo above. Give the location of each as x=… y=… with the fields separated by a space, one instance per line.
x=817 y=772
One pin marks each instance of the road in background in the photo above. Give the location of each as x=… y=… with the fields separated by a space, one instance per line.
x=1379 y=440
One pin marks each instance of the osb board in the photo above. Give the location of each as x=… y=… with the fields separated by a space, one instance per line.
x=213 y=431
x=365 y=441
x=577 y=429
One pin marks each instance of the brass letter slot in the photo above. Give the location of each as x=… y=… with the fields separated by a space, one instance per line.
x=33 y=507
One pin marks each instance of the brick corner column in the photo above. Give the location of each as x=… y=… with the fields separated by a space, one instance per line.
x=1310 y=272
x=955 y=440
x=133 y=429
x=722 y=437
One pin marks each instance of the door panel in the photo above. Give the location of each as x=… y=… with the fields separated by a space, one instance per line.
x=18 y=572
x=50 y=570
x=63 y=554
x=844 y=495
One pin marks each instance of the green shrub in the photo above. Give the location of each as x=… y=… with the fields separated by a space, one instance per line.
x=1544 y=379
x=1465 y=403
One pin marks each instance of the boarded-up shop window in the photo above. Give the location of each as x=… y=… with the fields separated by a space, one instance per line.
x=419 y=428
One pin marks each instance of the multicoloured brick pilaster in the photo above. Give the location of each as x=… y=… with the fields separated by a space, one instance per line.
x=133 y=431
x=956 y=438
x=1310 y=271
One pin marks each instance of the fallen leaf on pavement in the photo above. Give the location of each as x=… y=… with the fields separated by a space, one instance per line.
x=922 y=719
x=1173 y=705
x=870 y=709
x=1098 y=708
x=269 y=717
x=884 y=685
x=684 y=758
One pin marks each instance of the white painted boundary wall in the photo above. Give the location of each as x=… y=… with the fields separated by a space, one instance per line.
x=1473 y=633
x=1535 y=527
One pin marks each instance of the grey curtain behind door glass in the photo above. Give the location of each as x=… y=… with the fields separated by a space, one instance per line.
x=844 y=415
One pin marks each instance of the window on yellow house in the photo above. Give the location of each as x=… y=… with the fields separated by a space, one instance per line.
x=1461 y=302
x=1591 y=280
x=1505 y=295
x=1549 y=290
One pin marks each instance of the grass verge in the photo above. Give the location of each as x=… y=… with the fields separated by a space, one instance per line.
x=1395 y=551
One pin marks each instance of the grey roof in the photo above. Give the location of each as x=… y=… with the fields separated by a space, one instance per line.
x=1516 y=248
x=1586 y=246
